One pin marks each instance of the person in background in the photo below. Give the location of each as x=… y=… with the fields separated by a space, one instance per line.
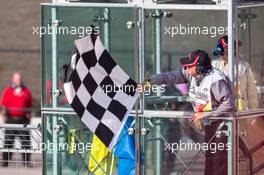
x=16 y=103
x=210 y=96
x=246 y=88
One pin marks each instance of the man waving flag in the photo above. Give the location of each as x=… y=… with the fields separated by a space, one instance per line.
x=99 y=91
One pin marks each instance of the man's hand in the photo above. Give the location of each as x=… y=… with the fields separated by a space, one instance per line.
x=4 y=116
x=4 y=119
x=196 y=116
x=28 y=117
x=196 y=120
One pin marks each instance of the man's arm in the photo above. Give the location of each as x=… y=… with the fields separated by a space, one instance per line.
x=29 y=105
x=222 y=95
x=4 y=115
x=4 y=104
x=175 y=77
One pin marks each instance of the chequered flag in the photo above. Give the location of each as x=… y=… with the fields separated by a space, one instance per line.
x=99 y=91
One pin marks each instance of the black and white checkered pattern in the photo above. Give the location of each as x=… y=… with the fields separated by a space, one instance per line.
x=92 y=70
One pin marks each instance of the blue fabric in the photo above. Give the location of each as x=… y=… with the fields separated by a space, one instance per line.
x=125 y=150
x=126 y=167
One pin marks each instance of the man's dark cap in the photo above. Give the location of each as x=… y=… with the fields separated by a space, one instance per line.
x=198 y=56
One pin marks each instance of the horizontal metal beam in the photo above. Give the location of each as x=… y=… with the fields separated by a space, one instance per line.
x=145 y=6
x=20 y=126
x=249 y=5
x=250 y=113
x=161 y=114
x=185 y=6
x=102 y=5
x=177 y=114
x=20 y=150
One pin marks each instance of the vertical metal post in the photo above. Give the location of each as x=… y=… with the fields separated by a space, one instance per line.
x=231 y=32
x=139 y=14
x=141 y=51
x=106 y=29
x=249 y=37
x=158 y=63
x=54 y=87
x=158 y=41
x=231 y=140
x=231 y=56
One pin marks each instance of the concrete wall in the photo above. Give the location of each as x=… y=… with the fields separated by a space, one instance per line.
x=19 y=48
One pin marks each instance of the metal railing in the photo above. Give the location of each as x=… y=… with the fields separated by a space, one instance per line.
x=16 y=139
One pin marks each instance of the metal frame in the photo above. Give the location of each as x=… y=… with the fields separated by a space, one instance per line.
x=105 y=5
x=54 y=87
x=230 y=8
x=144 y=6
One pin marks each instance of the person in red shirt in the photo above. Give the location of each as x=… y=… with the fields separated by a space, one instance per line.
x=16 y=102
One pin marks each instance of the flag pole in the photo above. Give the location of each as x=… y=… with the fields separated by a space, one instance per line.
x=137 y=129
x=138 y=132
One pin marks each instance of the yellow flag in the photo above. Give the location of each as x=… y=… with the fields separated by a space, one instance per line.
x=98 y=154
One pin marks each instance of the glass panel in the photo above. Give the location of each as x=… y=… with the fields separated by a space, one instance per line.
x=46 y=59
x=181 y=32
x=72 y=146
x=123 y=40
x=251 y=58
x=75 y=22
x=76 y=151
x=175 y=146
x=251 y=145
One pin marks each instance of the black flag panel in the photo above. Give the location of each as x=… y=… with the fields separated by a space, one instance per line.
x=99 y=91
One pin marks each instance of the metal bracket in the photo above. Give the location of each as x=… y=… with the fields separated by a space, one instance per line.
x=57 y=128
x=56 y=23
x=162 y=14
x=131 y=131
x=57 y=92
x=100 y=19
x=130 y=24
x=221 y=133
x=144 y=131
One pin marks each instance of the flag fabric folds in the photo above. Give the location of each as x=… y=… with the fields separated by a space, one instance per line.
x=97 y=160
x=99 y=91
x=125 y=150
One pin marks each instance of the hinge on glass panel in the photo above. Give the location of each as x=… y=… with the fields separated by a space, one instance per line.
x=144 y=131
x=220 y=2
x=162 y=14
x=219 y=134
x=56 y=23
x=57 y=128
x=131 y=131
x=243 y=133
x=130 y=24
x=100 y=19
x=243 y=25
x=57 y=92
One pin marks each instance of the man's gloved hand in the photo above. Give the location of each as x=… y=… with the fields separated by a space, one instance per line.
x=196 y=119
x=199 y=125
